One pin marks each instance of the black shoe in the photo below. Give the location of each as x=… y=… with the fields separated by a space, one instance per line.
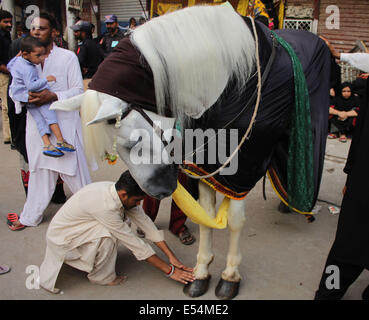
x=7 y=142
x=365 y=294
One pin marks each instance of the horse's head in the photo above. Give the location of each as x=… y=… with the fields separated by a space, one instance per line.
x=133 y=137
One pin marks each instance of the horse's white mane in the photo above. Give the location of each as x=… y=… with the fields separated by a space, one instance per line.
x=193 y=53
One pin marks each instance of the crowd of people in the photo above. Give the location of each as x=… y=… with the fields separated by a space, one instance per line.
x=37 y=69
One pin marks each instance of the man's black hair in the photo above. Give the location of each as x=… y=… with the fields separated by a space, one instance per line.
x=50 y=18
x=29 y=43
x=5 y=15
x=127 y=183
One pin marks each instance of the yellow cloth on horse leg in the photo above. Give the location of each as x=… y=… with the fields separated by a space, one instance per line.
x=196 y=212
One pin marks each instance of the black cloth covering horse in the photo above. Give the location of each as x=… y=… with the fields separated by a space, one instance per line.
x=126 y=75
x=268 y=143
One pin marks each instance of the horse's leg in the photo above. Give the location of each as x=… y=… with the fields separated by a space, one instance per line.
x=228 y=285
x=205 y=254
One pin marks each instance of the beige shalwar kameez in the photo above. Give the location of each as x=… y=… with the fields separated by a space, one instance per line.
x=84 y=234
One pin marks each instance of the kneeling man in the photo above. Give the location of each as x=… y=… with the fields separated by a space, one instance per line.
x=85 y=231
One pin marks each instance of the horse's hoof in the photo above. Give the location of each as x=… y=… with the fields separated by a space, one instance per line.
x=197 y=288
x=227 y=290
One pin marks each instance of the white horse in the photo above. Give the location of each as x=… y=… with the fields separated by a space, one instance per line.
x=201 y=59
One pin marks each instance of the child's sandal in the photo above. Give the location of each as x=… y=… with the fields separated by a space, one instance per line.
x=65 y=146
x=51 y=151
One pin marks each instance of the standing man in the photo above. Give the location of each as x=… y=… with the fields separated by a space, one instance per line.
x=112 y=37
x=6 y=24
x=44 y=171
x=85 y=232
x=89 y=52
x=18 y=133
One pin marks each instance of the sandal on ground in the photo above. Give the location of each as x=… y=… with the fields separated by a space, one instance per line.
x=51 y=151
x=186 y=237
x=140 y=233
x=332 y=136
x=4 y=269
x=65 y=146
x=11 y=218
x=343 y=139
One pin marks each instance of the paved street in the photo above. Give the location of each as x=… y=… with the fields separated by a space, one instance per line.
x=283 y=255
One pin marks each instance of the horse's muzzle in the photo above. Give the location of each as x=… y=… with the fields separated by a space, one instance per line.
x=163 y=182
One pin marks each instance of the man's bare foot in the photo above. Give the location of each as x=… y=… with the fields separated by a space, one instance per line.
x=118 y=280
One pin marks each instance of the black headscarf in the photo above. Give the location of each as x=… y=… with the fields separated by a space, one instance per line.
x=343 y=104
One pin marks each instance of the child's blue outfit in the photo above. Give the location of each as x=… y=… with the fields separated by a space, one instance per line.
x=25 y=79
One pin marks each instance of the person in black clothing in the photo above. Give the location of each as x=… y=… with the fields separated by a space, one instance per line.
x=17 y=122
x=6 y=23
x=335 y=78
x=346 y=106
x=350 y=251
x=89 y=53
x=359 y=87
x=112 y=37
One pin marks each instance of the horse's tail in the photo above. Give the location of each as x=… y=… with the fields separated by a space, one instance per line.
x=95 y=137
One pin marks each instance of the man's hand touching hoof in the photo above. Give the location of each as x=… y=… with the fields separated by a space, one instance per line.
x=183 y=275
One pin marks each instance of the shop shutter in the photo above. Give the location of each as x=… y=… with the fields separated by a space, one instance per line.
x=123 y=9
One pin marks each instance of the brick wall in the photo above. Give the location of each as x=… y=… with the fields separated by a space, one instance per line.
x=354 y=23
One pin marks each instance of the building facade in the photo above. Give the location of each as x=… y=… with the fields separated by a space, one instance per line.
x=343 y=22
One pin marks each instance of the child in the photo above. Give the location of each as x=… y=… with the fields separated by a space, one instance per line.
x=25 y=78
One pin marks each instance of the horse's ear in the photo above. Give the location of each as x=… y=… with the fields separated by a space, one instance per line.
x=70 y=104
x=110 y=108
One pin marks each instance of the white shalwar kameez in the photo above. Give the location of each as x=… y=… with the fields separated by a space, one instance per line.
x=72 y=167
x=85 y=231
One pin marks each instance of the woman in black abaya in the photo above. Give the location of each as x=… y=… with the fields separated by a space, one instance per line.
x=350 y=250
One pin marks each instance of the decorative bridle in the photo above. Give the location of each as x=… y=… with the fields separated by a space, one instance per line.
x=140 y=109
